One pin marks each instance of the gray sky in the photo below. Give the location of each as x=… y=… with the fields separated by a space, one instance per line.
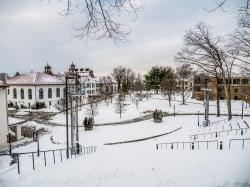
x=32 y=33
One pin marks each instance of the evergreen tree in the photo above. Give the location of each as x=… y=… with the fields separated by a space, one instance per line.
x=154 y=78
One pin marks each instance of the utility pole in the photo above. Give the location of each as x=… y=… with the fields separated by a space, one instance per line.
x=72 y=93
x=10 y=148
x=242 y=109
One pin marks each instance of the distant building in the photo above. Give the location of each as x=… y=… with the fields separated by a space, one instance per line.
x=187 y=85
x=239 y=86
x=3 y=111
x=27 y=89
x=90 y=85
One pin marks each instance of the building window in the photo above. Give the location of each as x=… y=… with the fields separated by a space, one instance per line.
x=22 y=93
x=8 y=91
x=93 y=85
x=14 y=93
x=244 y=81
x=236 y=81
x=40 y=93
x=236 y=90
x=29 y=93
x=49 y=93
x=58 y=92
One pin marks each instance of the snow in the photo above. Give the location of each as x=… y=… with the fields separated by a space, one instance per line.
x=139 y=163
x=106 y=113
x=14 y=120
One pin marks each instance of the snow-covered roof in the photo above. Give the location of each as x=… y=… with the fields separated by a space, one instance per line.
x=38 y=78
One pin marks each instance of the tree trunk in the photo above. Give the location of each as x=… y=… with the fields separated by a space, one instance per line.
x=169 y=99
x=228 y=96
x=217 y=98
x=182 y=92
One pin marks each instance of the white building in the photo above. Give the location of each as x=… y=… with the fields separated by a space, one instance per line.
x=3 y=114
x=90 y=85
x=27 y=89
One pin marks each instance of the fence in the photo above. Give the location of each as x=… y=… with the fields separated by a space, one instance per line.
x=241 y=132
x=61 y=153
x=240 y=139
x=191 y=144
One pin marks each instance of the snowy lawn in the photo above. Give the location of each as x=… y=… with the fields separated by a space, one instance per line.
x=138 y=163
x=107 y=114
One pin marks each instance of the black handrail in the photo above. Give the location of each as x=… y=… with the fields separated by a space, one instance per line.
x=218 y=133
x=90 y=150
x=191 y=144
x=239 y=139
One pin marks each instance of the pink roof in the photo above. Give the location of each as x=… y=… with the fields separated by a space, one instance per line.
x=38 y=78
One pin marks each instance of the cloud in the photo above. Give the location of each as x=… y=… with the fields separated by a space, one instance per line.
x=33 y=33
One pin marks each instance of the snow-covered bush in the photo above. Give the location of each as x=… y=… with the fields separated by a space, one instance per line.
x=157 y=116
x=88 y=123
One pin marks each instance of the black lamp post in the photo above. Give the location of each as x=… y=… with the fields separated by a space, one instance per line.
x=198 y=118
x=242 y=109
x=9 y=139
x=77 y=86
x=36 y=138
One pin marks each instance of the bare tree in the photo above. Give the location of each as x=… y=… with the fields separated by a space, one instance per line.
x=168 y=83
x=93 y=106
x=128 y=80
x=120 y=104
x=240 y=39
x=102 y=18
x=209 y=54
x=118 y=74
x=183 y=76
x=138 y=83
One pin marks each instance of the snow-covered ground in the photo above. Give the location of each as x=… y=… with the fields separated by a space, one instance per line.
x=106 y=113
x=139 y=163
x=14 y=120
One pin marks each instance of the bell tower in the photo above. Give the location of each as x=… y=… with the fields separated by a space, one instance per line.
x=47 y=69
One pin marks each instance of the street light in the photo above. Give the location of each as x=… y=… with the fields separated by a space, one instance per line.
x=73 y=97
x=36 y=138
x=242 y=109
x=9 y=139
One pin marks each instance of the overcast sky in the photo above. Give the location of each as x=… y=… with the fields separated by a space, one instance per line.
x=32 y=33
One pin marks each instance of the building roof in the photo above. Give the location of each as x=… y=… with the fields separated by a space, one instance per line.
x=37 y=78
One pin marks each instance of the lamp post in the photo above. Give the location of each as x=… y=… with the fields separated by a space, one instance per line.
x=36 y=138
x=242 y=109
x=198 y=118
x=9 y=139
x=73 y=96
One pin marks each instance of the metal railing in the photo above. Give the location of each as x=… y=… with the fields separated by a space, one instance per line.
x=216 y=134
x=192 y=145
x=239 y=139
x=43 y=154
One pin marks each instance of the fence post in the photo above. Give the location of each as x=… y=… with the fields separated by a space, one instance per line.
x=61 y=154
x=198 y=145
x=221 y=145
x=207 y=144
x=44 y=156
x=54 y=157
x=156 y=146
x=243 y=143
x=18 y=164
x=33 y=162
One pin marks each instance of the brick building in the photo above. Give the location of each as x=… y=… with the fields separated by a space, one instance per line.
x=239 y=86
